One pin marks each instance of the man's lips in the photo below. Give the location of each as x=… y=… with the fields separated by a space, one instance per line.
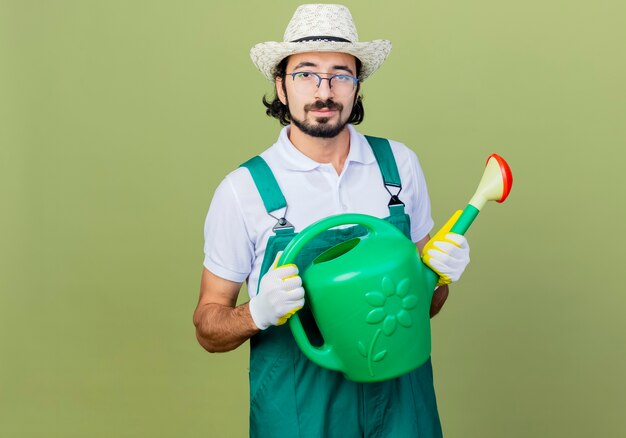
x=324 y=112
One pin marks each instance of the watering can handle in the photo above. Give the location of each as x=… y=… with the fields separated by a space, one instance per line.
x=325 y=355
x=374 y=225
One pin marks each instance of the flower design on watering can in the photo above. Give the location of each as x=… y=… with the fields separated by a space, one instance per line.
x=391 y=306
x=388 y=312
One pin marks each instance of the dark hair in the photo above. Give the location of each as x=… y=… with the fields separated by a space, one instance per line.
x=278 y=110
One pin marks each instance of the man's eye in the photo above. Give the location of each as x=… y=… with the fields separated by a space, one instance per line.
x=343 y=78
x=304 y=75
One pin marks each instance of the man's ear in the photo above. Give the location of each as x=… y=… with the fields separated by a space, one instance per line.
x=279 y=91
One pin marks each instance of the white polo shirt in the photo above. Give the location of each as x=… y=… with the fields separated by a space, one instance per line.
x=237 y=226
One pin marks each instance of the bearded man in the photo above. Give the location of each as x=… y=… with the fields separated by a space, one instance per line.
x=319 y=166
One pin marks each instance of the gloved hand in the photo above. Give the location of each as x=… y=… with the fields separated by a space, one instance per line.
x=447 y=253
x=280 y=295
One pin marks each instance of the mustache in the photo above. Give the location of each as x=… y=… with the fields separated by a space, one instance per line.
x=327 y=104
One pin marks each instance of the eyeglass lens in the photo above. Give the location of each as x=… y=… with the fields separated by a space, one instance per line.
x=308 y=82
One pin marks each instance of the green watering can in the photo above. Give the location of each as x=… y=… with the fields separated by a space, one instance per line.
x=370 y=296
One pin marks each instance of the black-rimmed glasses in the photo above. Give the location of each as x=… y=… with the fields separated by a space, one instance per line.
x=307 y=82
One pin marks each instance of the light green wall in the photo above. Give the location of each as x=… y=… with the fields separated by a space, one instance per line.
x=119 y=118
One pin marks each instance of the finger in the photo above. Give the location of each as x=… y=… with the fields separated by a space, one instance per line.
x=296 y=295
x=286 y=271
x=293 y=298
x=458 y=239
x=452 y=248
x=437 y=265
x=449 y=263
x=439 y=254
x=444 y=269
x=292 y=283
x=297 y=305
x=283 y=319
x=275 y=262
x=445 y=247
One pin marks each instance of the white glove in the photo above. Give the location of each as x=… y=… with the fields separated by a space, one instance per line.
x=280 y=295
x=448 y=257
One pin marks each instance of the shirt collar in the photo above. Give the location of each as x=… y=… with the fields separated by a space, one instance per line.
x=360 y=151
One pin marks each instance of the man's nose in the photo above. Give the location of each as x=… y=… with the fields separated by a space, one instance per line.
x=324 y=91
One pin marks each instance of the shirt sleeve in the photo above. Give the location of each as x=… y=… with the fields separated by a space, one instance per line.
x=421 y=219
x=228 y=249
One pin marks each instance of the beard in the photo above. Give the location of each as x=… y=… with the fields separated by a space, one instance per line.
x=323 y=128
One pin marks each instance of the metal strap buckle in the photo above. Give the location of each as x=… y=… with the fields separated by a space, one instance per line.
x=281 y=223
x=395 y=200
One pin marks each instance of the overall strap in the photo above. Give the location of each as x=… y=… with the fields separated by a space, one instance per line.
x=268 y=188
x=385 y=159
x=389 y=170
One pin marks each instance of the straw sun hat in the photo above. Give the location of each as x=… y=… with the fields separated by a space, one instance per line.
x=320 y=28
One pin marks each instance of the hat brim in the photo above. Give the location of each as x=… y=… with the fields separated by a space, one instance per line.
x=266 y=56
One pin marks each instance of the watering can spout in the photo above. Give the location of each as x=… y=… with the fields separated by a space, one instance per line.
x=495 y=185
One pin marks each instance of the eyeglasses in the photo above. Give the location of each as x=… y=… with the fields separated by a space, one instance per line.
x=307 y=82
